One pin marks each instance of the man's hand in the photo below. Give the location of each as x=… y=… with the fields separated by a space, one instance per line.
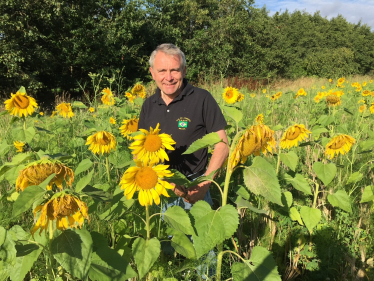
x=197 y=192
x=179 y=190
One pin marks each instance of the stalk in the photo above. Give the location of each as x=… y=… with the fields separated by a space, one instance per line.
x=279 y=157
x=107 y=167
x=147 y=222
x=315 y=195
x=50 y=251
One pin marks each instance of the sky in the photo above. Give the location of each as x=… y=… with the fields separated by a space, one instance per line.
x=352 y=10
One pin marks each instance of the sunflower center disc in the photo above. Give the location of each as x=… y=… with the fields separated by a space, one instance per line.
x=104 y=139
x=229 y=94
x=64 y=108
x=146 y=178
x=337 y=144
x=249 y=145
x=21 y=102
x=291 y=135
x=133 y=126
x=152 y=143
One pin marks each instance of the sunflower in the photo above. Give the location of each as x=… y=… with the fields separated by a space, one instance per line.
x=129 y=127
x=323 y=87
x=341 y=80
x=371 y=81
x=366 y=93
x=112 y=120
x=339 y=144
x=65 y=110
x=255 y=139
x=107 y=97
x=259 y=119
x=91 y=109
x=150 y=146
x=362 y=108
x=359 y=89
x=101 y=142
x=19 y=145
x=20 y=104
x=67 y=210
x=274 y=97
x=41 y=113
x=148 y=180
x=333 y=100
x=330 y=80
x=230 y=95
x=372 y=108
x=138 y=90
x=130 y=97
x=264 y=91
x=240 y=97
x=279 y=94
x=293 y=136
x=317 y=99
x=361 y=101
x=53 y=114
x=252 y=95
x=364 y=84
x=300 y=92
x=37 y=172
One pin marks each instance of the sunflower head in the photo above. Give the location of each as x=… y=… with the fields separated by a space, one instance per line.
x=230 y=95
x=259 y=119
x=364 y=84
x=138 y=90
x=37 y=172
x=293 y=136
x=150 y=145
x=91 y=109
x=101 y=142
x=333 y=100
x=240 y=97
x=341 y=80
x=20 y=104
x=330 y=80
x=107 y=97
x=372 y=108
x=253 y=95
x=129 y=127
x=362 y=108
x=317 y=99
x=19 y=145
x=339 y=144
x=264 y=91
x=279 y=94
x=41 y=113
x=148 y=180
x=67 y=210
x=112 y=121
x=64 y=109
x=366 y=93
x=274 y=97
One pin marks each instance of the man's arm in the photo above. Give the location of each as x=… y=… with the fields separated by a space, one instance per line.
x=220 y=153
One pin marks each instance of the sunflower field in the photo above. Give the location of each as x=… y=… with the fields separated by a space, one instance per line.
x=83 y=191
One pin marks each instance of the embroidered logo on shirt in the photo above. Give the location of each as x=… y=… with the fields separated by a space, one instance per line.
x=183 y=123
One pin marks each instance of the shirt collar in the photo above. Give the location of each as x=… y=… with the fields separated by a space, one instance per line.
x=187 y=90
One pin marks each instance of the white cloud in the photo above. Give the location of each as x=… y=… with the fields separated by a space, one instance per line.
x=352 y=11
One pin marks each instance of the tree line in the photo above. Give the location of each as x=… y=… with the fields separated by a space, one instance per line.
x=49 y=46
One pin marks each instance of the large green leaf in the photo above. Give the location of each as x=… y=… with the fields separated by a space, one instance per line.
x=178 y=178
x=183 y=245
x=366 y=145
x=368 y=194
x=145 y=252
x=24 y=135
x=234 y=113
x=73 y=250
x=4 y=148
x=340 y=199
x=84 y=165
x=325 y=172
x=260 y=267
x=83 y=182
x=27 y=198
x=7 y=255
x=261 y=179
x=205 y=141
x=108 y=265
x=355 y=177
x=295 y=215
x=177 y=218
x=326 y=120
x=290 y=159
x=299 y=183
x=120 y=159
x=317 y=131
x=242 y=203
x=310 y=216
x=212 y=227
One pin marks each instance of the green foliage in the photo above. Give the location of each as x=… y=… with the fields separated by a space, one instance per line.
x=207 y=140
x=310 y=216
x=325 y=172
x=145 y=254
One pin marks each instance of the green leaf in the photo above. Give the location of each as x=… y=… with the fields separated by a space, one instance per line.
x=108 y=265
x=21 y=158
x=316 y=131
x=119 y=159
x=22 y=90
x=299 y=183
x=47 y=181
x=12 y=174
x=325 y=172
x=261 y=179
x=182 y=245
x=4 y=148
x=83 y=166
x=230 y=220
x=178 y=178
x=368 y=194
x=84 y=181
x=233 y=113
x=366 y=145
x=25 y=135
x=295 y=215
x=27 y=198
x=242 y=191
x=277 y=127
x=326 y=120
x=310 y=216
x=340 y=199
x=205 y=141
x=260 y=267
x=145 y=252
x=2 y=235
x=290 y=159
x=7 y=256
x=73 y=250
x=177 y=218
x=78 y=104
x=287 y=199
x=241 y=203
x=355 y=177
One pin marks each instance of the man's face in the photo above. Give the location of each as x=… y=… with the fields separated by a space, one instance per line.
x=168 y=74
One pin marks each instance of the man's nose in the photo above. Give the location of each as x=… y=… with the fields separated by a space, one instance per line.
x=169 y=76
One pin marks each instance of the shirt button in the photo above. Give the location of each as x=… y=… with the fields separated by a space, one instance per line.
x=167 y=110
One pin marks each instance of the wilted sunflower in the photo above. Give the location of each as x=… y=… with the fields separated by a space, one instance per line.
x=19 y=145
x=138 y=90
x=362 y=108
x=37 y=172
x=150 y=146
x=148 y=180
x=255 y=139
x=107 y=97
x=294 y=135
x=230 y=95
x=259 y=119
x=65 y=110
x=333 y=100
x=20 y=104
x=129 y=127
x=67 y=210
x=371 y=81
x=366 y=93
x=339 y=144
x=240 y=97
x=112 y=120
x=101 y=142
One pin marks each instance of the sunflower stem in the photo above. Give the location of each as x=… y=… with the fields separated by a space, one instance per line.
x=24 y=123
x=107 y=167
x=147 y=222
x=50 y=250
x=279 y=157
x=315 y=196
x=219 y=262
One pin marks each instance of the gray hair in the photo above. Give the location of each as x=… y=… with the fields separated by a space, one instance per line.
x=168 y=49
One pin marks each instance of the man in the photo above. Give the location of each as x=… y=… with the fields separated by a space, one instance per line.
x=187 y=113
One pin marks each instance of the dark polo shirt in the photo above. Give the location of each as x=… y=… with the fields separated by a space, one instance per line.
x=191 y=115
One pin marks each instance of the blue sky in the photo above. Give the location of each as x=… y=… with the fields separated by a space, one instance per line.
x=352 y=11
